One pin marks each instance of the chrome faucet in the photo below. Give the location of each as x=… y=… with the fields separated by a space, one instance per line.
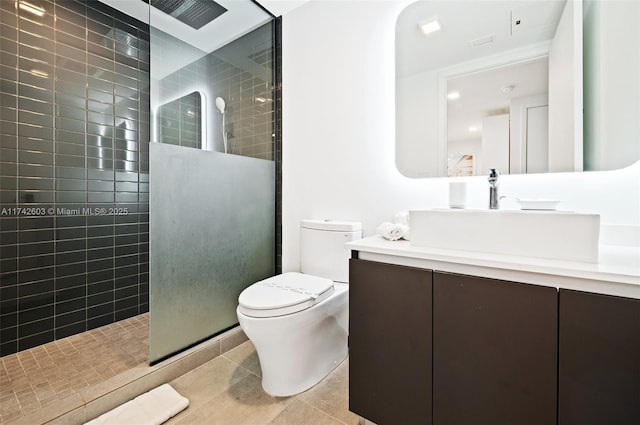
x=494 y=198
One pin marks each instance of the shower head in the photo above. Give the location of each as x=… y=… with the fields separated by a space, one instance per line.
x=220 y=104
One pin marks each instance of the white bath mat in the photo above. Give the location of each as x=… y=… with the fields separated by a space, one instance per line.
x=151 y=408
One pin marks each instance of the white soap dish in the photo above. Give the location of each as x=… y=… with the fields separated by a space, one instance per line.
x=539 y=204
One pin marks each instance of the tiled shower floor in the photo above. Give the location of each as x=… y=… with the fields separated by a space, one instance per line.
x=43 y=375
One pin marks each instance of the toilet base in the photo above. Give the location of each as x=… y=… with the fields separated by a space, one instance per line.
x=298 y=350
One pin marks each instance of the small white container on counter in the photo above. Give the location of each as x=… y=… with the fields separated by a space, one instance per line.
x=457 y=195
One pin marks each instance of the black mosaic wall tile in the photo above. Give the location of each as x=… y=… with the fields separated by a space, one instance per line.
x=74 y=162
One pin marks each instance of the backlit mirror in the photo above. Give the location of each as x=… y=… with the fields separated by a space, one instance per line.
x=499 y=84
x=180 y=121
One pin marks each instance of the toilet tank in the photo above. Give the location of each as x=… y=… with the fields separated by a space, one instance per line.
x=322 y=251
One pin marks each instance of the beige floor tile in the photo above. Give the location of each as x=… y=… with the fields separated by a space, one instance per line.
x=244 y=403
x=64 y=367
x=300 y=413
x=332 y=395
x=208 y=381
x=224 y=391
x=245 y=355
x=8 y=417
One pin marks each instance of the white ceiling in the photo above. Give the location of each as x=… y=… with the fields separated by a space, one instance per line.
x=241 y=17
x=281 y=7
x=176 y=44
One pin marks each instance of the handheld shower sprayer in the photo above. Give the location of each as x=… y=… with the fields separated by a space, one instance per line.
x=221 y=105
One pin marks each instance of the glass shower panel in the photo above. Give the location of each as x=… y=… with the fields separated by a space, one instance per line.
x=212 y=174
x=212 y=234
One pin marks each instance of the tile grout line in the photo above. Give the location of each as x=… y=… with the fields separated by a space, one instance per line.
x=242 y=367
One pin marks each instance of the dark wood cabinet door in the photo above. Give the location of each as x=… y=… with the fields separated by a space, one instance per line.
x=495 y=352
x=390 y=343
x=599 y=359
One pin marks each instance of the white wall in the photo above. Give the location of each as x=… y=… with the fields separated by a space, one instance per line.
x=417 y=126
x=338 y=132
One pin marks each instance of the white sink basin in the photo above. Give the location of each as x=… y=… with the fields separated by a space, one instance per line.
x=559 y=235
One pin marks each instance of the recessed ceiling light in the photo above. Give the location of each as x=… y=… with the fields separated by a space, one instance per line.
x=453 y=95
x=430 y=26
x=473 y=129
x=28 y=7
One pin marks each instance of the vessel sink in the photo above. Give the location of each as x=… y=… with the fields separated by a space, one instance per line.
x=559 y=235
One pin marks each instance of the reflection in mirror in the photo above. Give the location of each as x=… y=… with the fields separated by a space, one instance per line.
x=461 y=164
x=499 y=111
x=500 y=82
x=181 y=122
x=588 y=51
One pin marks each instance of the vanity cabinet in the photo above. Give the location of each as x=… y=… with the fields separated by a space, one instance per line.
x=494 y=351
x=599 y=359
x=432 y=347
x=390 y=309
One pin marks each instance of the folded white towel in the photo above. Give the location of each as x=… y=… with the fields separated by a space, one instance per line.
x=391 y=231
x=151 y=408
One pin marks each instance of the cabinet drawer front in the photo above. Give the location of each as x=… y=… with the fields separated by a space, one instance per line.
x=494 y=352
x=599 y=359
x=390 y=343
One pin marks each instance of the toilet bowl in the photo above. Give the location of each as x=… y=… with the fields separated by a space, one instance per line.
x=299 y=322
x=296 y=350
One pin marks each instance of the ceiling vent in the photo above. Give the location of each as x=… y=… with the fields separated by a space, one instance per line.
x=195 y=13
x=481 y=41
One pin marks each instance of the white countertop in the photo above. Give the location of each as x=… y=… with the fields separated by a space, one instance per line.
x=616 y=273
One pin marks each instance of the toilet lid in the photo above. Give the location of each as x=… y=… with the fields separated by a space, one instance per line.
x=283 y=294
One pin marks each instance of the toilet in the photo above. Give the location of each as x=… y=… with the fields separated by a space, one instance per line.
x=298 y=322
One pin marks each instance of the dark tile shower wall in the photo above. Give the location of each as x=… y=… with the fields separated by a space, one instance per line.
x=74 y=160
x=278 y=139
x=242 y=73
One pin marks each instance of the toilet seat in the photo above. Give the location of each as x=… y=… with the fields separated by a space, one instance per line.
x=284 y=294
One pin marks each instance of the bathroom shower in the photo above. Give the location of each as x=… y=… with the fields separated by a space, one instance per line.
x=67 y=273
x=220 y=104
